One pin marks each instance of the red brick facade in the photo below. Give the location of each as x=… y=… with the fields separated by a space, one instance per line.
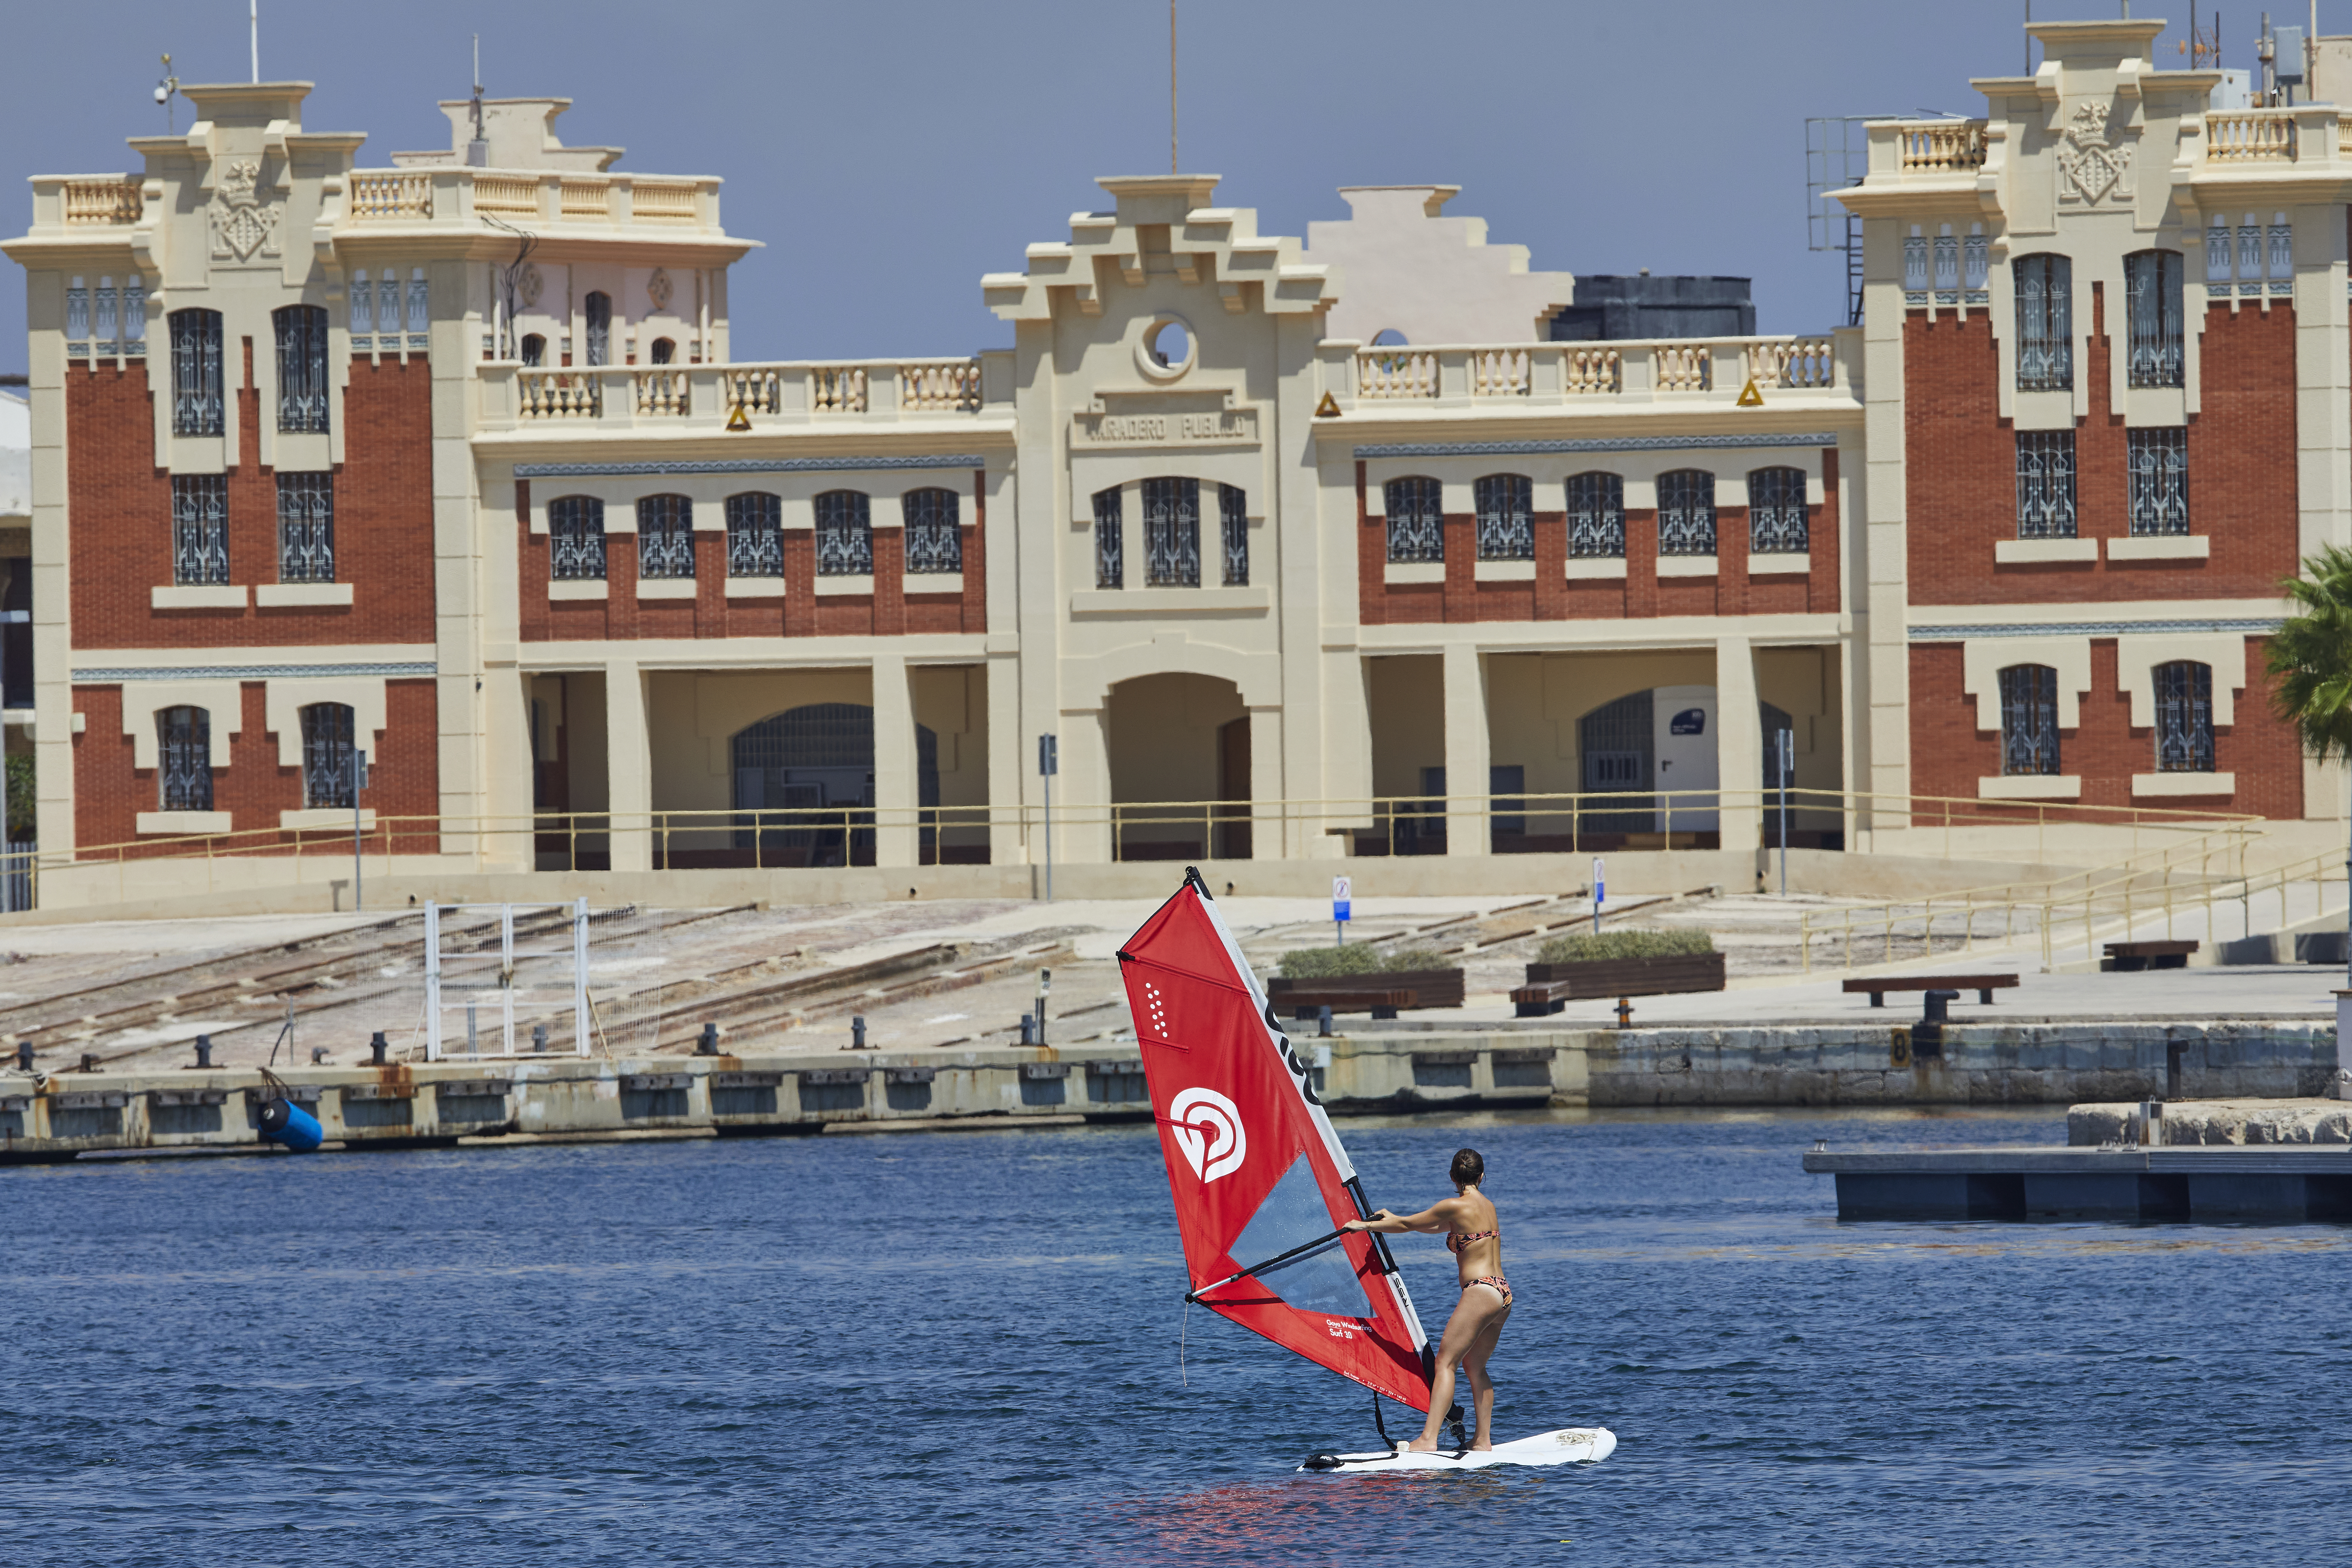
x=1962 y=467
x=110 y=789
x=1949 y=754
x=120 y=508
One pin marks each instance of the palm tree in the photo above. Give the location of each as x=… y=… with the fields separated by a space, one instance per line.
x=2310 y=661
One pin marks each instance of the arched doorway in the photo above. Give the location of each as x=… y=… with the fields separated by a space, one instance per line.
x=1179 y=768
x=803 y=785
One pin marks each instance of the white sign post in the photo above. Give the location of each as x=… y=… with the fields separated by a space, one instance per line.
x=1049 y=762
x=1340 y=905
x=1599 y=891
x=359 y=783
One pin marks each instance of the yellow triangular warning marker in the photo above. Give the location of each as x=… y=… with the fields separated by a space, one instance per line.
x=740 y=419
x=1329 y=408
x=1749 y=397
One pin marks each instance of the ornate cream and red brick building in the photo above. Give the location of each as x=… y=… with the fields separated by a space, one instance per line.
x=448 y=462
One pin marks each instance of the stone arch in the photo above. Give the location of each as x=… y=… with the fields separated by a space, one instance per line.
x=1176 y=740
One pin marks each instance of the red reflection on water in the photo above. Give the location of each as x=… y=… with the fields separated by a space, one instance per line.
x=1294 y=1522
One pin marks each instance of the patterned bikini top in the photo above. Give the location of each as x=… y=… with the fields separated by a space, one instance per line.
x=1455 y=1241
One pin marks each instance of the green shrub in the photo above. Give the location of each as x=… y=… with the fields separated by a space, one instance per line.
x=1585 y=947
x=1357 y=958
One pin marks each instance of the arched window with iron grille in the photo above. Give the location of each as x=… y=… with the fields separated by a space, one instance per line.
x=1172 y=533
x=2153 y=317
x=932 y=532
x=302 y=386
x=196 y=407
x=1775 y=512
x=2045 y=323
x=755 y=535
x=1415 y=508
x=1505 y=506
x=306 y=527
x=2184 y=718
x=575 y=529
x=844 y=534
x=1596 y=516
x=665 y=536
x=1110 y=539
x=1686 y=512
x=2029 y=720
x=327 y=760
x=183 y=754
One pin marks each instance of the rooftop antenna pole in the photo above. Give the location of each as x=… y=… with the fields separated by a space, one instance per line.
x=2029 y=37
x=252 y=23
x=1172 y=86
x=477 y=151
x=165 y=89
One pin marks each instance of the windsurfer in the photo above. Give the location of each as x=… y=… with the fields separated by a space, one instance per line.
x=1474 y=1236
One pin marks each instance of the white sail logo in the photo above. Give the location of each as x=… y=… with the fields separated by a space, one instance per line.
x=1208 y=1127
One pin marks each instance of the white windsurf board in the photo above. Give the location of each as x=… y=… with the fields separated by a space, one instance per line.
x=1569 y=1445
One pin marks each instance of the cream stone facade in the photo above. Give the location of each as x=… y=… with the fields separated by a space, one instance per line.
x=604 y=598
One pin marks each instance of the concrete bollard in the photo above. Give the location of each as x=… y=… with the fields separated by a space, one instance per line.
x=90 y=1061
x=857 y=1032
x=204 y=1050
x=318 y=1055
x=1323 y=1022
x=1938 y=1006
x=25 y=1056
x=707 y=1046
x=376 y=1049
x=1028 y=1028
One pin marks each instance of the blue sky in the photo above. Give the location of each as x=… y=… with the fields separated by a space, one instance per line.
x=889 y=153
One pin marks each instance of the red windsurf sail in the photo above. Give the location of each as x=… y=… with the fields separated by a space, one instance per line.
x=1254 y=1167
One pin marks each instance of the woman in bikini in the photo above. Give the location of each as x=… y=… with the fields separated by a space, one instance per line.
x=1474 y=1237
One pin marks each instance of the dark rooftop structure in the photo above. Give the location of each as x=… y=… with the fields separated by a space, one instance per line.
x=1645 y=307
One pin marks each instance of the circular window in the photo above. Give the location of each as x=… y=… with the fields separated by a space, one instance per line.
x=1167 y=348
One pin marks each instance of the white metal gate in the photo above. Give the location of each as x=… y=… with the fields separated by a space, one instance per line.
x=490 y=991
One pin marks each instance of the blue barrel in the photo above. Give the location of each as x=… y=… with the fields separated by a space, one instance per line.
x=283 y=1121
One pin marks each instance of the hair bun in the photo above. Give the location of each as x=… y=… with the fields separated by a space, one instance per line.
x=1469 y=1168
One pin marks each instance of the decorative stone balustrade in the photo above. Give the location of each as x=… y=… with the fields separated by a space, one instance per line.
x=2251 y=135
x=1555 y=373
x=102 y=201
x=387 y=198
x=1936 y=145
x=1797 y=361
x=716 y=393
x=530 y=198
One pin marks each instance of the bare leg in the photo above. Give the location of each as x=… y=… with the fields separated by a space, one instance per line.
x=1482 y=1387
x=1462 y=1332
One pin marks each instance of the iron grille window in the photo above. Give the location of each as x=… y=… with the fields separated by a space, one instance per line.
x=1232 y=515
x=2152 y=295
x=199 y=528
x=844 y=534
x=1947 y=269
x=1775 y=512
x=2045 y=484
x=535 y=349
x=1416 y=520
x=755 y=535
x=1172 y=533
x=2045 y=323
x=575 y=528
x=185 y=753
x=301 y=368
x=933 y=531
x=599 y=313
x=2184 y=718
x=1596 y=515
x=2159 y=480
x=327 y=756
x=1506 y=530
x=1111 y=542
x=1686 y=512
x=306 y=528
x=2029 y=720
x=665 y=536
x=196 y=372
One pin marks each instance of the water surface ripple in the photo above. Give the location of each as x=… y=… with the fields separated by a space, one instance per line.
x=963 y=1348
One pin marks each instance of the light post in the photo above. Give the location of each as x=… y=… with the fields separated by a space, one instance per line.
x=1049 y=762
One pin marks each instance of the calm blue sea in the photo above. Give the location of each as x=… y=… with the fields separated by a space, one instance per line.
x=962 y=1348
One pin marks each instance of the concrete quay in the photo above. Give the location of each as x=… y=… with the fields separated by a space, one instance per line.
x=489 y=1102
x=2275 y=1185
x=2211 y=1123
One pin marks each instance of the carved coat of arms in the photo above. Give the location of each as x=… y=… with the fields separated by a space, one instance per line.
x=2091 y=160
x=242 y=222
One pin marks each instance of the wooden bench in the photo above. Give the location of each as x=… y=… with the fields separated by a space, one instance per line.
x=1550 y=987
x=1878 y=986
x=1306 y=1002
x=2129 y=957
